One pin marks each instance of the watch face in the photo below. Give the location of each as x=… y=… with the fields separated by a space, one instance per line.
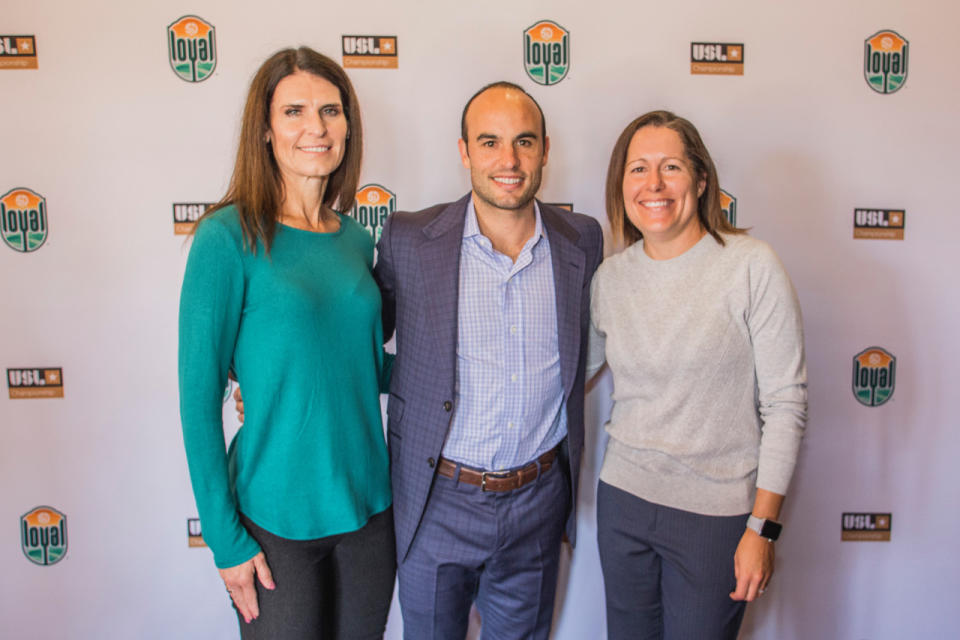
x=771 y=529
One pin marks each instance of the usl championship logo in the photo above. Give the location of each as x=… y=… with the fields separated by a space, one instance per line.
x=866 y=526
x=24 y=219
x=35 y=383
x=716 y=58
x=885 y=56
x=885 y=224
x=378 y=52
x=194 y=533
x=186 y=214
x=18 y=52
x=43 y=535
x=546 y=52
x=193 y=48
x=728 y=204
x=874 y=376
x=374 y=203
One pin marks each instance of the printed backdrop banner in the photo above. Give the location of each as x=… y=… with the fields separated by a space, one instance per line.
x=833 y=126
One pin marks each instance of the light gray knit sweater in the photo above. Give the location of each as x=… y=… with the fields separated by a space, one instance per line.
x=710 y=394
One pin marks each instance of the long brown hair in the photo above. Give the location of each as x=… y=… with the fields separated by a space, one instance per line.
x=256 y=187
x=709 y=210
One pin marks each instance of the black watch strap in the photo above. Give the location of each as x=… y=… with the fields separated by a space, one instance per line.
x=765 y=527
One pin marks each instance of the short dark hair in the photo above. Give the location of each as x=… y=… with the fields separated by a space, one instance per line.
x=708 y=204
x=501 y=84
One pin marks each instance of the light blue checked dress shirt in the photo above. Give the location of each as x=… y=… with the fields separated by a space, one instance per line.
x=509 y=396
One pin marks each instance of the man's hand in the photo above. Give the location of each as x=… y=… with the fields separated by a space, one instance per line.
x=238 y=404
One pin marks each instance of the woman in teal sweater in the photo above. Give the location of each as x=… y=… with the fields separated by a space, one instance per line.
x=278 y=286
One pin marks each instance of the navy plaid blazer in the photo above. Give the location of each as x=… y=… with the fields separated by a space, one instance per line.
x=418 y=269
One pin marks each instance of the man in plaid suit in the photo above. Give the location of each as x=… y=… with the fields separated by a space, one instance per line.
x=489 y=297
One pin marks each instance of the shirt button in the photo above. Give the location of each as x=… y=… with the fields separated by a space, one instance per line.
x=513 y=329
x=510 y=425
x=513 y=378
x=431 y=462
x=447 y=405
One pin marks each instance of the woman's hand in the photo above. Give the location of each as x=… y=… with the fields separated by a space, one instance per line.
x=239 y=581
x=753 y=561
x=752 y=565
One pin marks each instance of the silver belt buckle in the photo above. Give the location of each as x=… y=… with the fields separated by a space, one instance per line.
x=495 y=474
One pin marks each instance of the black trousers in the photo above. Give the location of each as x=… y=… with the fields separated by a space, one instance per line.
x=338 y=587
x=667 y=573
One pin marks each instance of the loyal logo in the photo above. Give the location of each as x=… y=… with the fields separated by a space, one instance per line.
x=193 y=50
x=374 y=203
x=546 y=52
x=728 y=204
x=43 y=535
x=24 y=219
x=874 y=376
x=885 y=55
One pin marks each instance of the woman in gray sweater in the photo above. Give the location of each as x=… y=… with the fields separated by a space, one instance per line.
x=701 y=328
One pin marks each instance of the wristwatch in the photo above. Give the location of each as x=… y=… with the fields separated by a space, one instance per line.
x=765 y=528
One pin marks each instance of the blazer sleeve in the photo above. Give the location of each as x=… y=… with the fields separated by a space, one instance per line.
x=385 y=276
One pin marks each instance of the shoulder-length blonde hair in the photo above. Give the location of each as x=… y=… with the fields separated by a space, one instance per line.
x=709 y=210
x=256 y=187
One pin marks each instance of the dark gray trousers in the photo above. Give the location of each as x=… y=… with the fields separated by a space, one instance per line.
x=667 y=573
x=338 y=587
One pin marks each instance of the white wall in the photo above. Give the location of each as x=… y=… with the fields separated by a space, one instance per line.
x=111 y=137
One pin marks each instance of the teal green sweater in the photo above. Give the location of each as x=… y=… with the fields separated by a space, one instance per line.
x=301 y=328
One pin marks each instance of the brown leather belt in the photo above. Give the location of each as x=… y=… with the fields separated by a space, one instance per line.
x=498 y=480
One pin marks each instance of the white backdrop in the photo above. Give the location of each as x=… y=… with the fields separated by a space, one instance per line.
x=111 y=137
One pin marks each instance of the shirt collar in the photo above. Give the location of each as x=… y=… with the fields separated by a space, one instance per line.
x=471 y=227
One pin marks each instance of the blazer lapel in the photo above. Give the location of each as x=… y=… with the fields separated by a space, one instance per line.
x=569 y=263
x=440 y=266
